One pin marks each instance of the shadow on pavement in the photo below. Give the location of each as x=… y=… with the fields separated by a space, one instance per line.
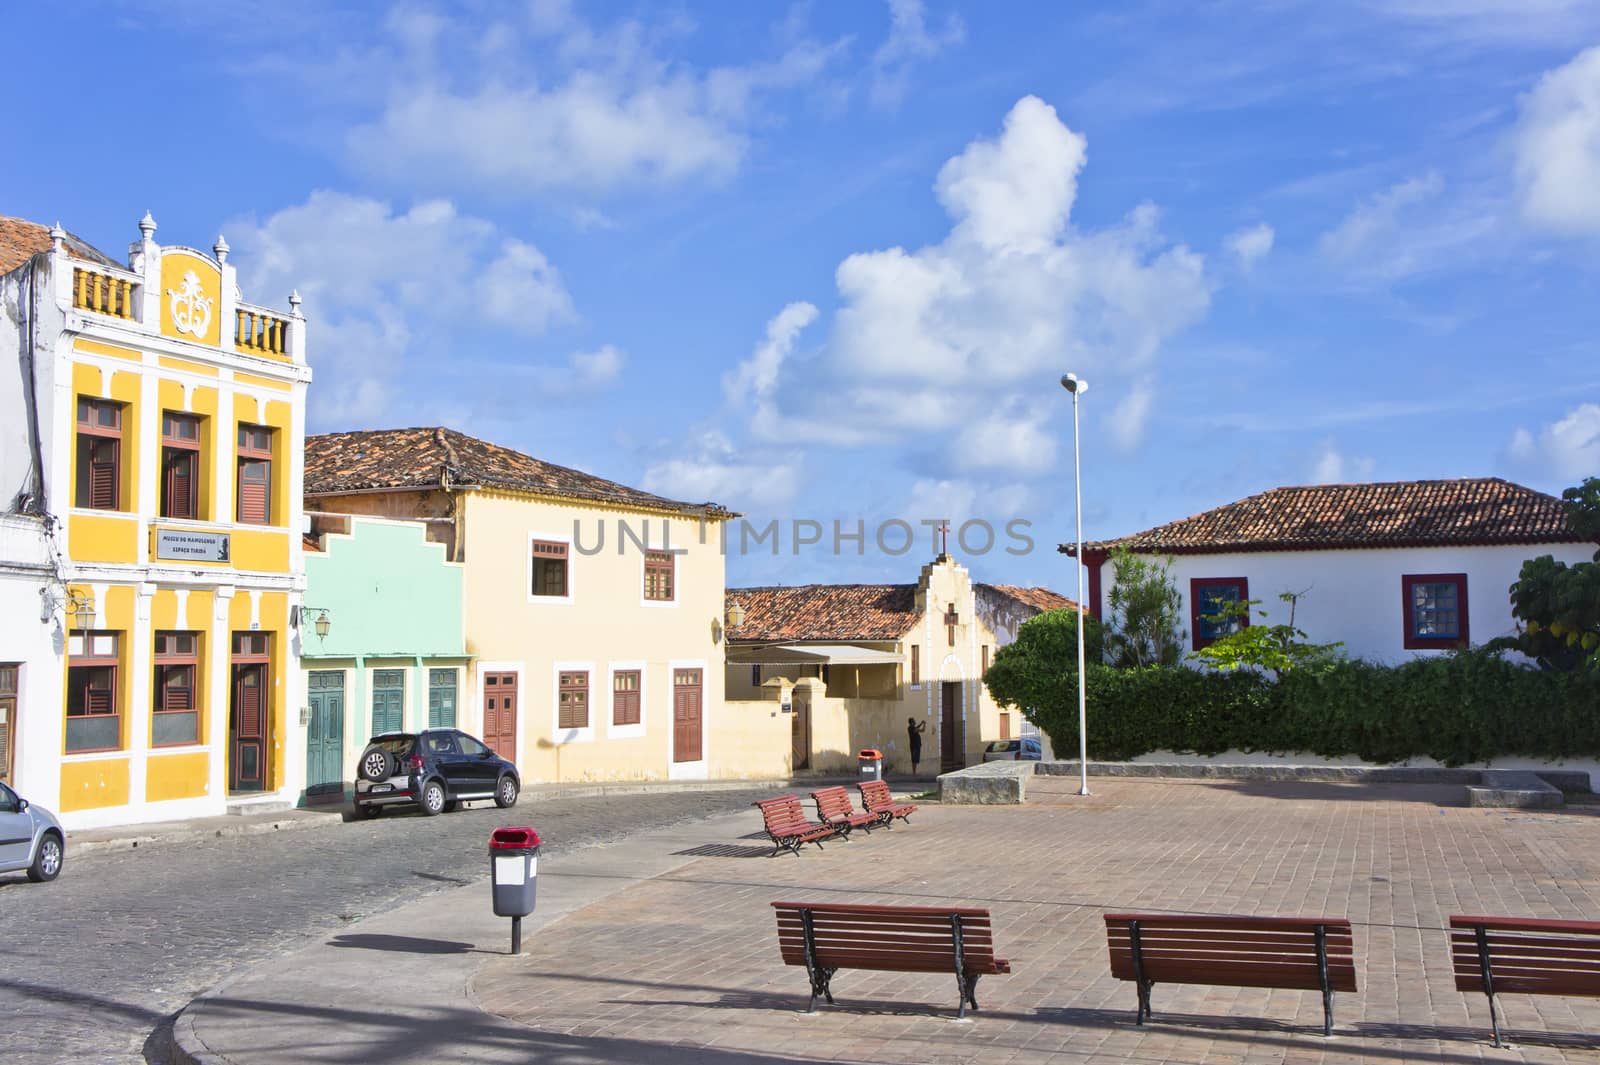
x=402 y=944
x=726 y=850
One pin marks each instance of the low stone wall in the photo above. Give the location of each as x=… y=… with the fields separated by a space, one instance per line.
x=994 y=783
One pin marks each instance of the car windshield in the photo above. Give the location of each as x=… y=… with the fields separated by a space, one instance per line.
x=395 y=744
x=1003 y=745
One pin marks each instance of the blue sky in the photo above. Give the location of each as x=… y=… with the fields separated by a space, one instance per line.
x=827 y=261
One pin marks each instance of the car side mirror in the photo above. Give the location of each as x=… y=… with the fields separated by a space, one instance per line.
x=486 y=754
x=22 y=805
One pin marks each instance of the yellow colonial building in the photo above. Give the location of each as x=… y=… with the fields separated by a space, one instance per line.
x=152 y=443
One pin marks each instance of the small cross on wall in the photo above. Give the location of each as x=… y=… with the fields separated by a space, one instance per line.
x=951 y=620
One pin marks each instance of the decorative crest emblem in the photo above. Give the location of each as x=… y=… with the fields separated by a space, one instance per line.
x=191 y=310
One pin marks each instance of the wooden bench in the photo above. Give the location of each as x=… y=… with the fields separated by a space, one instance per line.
x=1497 y=955
x=828 y=937
x=875 y=799
x=786 y=824
x=833 y=808
x=1309 y=954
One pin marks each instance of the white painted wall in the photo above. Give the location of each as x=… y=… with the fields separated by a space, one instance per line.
x=1355 y=596
x=37 y=648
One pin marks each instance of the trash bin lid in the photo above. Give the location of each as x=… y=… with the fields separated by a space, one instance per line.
x=869 y=753
x=513 y=839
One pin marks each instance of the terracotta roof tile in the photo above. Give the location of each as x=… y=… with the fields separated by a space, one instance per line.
x=828 y=612
x=418 y=458
x=21 y=240
x=1040 y=599
x=1474 y=511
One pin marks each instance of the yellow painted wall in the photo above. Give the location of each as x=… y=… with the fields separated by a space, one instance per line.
x=177 y=776
x=260 y=548
x=91 y=785
x=753 y=740
x=103 y=537
x=98 y=541
x=175 y=264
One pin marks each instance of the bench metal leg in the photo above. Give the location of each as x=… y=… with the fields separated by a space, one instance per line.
x=1486 y=967
x=1322 y=975
x=1136 y=948
x=1494 y=1022
x=969 y=995
x=820 y=986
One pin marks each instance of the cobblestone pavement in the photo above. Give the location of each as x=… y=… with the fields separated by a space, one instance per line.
x=91 y=964
x=685 y=967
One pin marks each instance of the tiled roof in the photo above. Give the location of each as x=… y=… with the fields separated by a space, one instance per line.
x=1040 y=599
x=418 y=458
x=21 y=240
x=1473 y=511
x=832 y=612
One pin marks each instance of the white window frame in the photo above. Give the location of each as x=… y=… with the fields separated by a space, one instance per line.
x=623 y=732
x=689 y=770
x=527 y=570
x=574 y=735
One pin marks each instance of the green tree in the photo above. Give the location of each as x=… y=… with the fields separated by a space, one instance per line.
x=1146 y=611
x=1557 y=606
x=1275 y=648
x=1038 y=672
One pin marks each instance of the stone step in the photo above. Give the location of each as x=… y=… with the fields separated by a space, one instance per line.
x=264 y=804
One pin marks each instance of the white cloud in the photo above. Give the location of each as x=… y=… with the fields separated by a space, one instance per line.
x=909 y=42
x=596 y=369
x=757 y=377
x=1557 y=148
x=553 y=102
x=1375 y=221
x=1567 y=449
x=988 y=318
x=370 y=276
x=1131 y=416
x=713 y=471
x=1333 y=467
x=1250 y=245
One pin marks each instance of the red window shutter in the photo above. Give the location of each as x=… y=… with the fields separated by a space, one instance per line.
x=103 y=474
x=99 y=701
x=250 y=710
x=180 y=484
x=254 y=478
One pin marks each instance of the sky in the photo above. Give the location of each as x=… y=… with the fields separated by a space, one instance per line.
x=825 y=263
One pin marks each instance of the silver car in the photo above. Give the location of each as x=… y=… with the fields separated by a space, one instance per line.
x=30 y=838
x=1024 y=748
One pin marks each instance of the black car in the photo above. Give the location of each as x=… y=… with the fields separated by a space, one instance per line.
x=434 y=769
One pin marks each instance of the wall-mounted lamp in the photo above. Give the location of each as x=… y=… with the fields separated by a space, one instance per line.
x=716 y=630
x=80 y=605
x=735 y=615
x=322 y=625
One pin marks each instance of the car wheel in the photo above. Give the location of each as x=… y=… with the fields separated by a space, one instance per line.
x=451 y=805
x=505 y=792
x=378 y=764
x=369 y=812
x=433 y=798
x=47 y=863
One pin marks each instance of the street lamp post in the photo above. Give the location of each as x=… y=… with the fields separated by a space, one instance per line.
x=1072 y=383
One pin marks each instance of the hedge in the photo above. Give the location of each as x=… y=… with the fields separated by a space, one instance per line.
x=1466 y=707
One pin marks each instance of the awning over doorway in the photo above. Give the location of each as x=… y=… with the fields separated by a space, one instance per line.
x=833 y=654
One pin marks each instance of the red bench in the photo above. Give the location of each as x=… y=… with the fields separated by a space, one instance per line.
x=827 y=937
x=787 y=826
x=1309 y=954
x=1497 y=955
x=875 y=799
x=833 y=808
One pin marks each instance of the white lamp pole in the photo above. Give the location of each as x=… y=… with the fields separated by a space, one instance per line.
x=1072 y=383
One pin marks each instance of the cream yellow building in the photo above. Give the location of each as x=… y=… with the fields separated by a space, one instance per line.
x=153 y=440
x=854 y=664
x=593 y=611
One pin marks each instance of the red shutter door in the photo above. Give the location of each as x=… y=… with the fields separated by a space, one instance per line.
x=250 y=718
x=253 y=478
x=686 y=715
x=103 y=475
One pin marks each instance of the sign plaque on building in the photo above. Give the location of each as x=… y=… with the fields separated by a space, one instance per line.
x=183 y=545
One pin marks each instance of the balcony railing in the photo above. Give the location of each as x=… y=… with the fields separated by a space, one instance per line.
x=261 y=333
x=103 y=293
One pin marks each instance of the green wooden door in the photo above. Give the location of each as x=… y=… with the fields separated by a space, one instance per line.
x=325 y=731
x=388 y=701
x=441 y=698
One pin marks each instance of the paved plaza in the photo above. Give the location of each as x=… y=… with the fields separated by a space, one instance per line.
x=684 y=966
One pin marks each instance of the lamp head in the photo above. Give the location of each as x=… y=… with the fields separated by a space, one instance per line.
x=1074 y=384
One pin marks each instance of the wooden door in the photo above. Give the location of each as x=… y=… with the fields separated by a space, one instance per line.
x=248 y=727
x=801 y=738
x=686 y=692
x=951 y=753
x=388 y=701
x=1005 y=725
x=8 y=720
x=325 y=732
x=500 y=714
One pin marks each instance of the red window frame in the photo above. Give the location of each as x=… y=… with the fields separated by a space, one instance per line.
x=572 y=699
x=549 y=562
x=85 y=698
x=176 y=653
x=659 y=576
x=916 y=664
x=1408 y=612
x=180 y=465
x=1197 y=589
x=626 y=685
x=255 y=471
x=99 y=454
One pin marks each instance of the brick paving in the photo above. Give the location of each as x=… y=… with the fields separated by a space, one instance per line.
x=689 y=960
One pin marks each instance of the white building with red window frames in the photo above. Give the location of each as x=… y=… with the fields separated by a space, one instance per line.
x=150 y=552
x=1392 y=570
x=593 y=611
